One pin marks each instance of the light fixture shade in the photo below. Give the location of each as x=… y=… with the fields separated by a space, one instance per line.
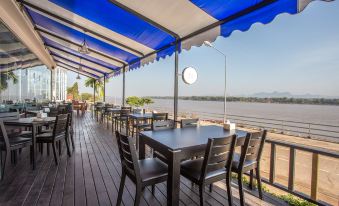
x=78 y=77
x=83 y=49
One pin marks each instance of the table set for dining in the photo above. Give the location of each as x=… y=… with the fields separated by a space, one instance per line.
x=177 y=145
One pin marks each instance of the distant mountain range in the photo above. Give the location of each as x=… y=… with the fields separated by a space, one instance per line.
x=276 y=94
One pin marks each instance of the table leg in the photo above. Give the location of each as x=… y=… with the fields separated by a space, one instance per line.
x=173 y=182
x=34 y=145
x=142 y=147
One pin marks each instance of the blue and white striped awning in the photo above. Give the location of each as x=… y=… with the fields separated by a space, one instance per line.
x=131 y=33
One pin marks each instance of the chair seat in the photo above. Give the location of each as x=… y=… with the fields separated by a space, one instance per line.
x=48 y=136
x=26 y=133
x=15 y=141
x=247 y=163
x=193 y=169
x=152 y=168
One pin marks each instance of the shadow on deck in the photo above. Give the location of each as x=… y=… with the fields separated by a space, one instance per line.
x=91 y=176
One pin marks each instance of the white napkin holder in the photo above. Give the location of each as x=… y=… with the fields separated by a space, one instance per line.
x=41 y=115
x=229 y=126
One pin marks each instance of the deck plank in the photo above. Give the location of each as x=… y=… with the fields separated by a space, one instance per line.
x=91 y=176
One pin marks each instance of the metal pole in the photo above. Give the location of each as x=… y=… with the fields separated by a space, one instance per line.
x=176 y=87
x=210 y=45
x=51 y=84
x=94 y=92
x=225 y=118
x=104 y=98
x=123 y=86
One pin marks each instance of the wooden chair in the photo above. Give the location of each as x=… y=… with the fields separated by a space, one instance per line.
x=122 y=119
x=60 y=131
x=163 y=125
x=143 y=173
x=8 y=145
x=215 y=166
x=249 y=160
x=189 y=123
x=158 y=126
x=106 y=114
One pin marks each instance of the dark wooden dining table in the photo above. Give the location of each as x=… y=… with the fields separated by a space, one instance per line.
x=180 y=144
x=33 y=123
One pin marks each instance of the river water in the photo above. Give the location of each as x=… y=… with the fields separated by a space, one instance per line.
x=322 y=114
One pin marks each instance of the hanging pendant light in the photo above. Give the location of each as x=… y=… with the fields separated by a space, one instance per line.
x=78 y=77
x=83 y=48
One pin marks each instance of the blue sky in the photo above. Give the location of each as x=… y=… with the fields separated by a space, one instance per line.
x=297 y=54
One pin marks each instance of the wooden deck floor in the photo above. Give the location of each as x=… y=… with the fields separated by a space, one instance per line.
x=91 y=176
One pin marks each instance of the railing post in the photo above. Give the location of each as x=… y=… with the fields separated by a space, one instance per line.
x=282 y=126
x=291 y=174
x=272 y=163
x=315 y=174
x=176 y=86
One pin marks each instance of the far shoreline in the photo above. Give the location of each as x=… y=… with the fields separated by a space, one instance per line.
x=273 y=100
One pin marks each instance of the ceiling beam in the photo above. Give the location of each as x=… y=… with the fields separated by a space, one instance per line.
x=78 y=56
x=73 y=69
x=81 y=27
x=78 y=45
x=18 y=23
x=77 y=63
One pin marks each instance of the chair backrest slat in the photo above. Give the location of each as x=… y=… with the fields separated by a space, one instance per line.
x=3 y=136
x=218 y=155
x=61 y=125
x=124 y=112
x=159 y=117
x=253 y=147
x=128 y=156
x=189 y=123
x=163 y=125
x=126 y=108
x=9 y=115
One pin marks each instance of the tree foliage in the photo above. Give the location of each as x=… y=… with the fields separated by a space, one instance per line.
x=5 y=77
x=99 y=86
x=73 y=90
x=86 y=96
x=135 y=101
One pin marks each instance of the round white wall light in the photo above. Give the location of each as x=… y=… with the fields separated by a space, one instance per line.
x=189 y=75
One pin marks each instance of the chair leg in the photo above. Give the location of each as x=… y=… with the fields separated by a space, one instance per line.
x=138 y=193
x=67 y=146
x=201 y=194
x=153 y=189
x=48 y=150
x=251 y=180
x=211 y=187
x=59 y=147
x=241 y=190
x=3 y=166
x=257 y=172
x=54 y=153
x=72 y=139
x=229 y=188
x=121 y=188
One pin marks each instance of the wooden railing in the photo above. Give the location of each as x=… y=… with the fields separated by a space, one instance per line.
x=293 y=148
